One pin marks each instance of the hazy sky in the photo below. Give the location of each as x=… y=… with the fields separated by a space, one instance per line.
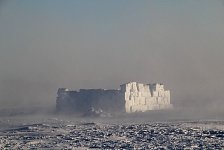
x=47 y=44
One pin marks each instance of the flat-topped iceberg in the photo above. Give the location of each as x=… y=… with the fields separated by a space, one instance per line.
x=131 y=97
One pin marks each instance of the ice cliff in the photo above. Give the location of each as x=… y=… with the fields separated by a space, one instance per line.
x=143 y=97
x=131 y=97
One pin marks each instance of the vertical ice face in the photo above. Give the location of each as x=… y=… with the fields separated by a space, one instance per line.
x=141 y=97
x=132 y=97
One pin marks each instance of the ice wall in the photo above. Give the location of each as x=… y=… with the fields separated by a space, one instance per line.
x=85 y=99
x=131 y=97
x=141 y=97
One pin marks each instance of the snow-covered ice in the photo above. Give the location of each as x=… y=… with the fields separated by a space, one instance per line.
x=55 y=133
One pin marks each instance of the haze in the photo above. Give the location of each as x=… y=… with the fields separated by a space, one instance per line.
x=45 y=45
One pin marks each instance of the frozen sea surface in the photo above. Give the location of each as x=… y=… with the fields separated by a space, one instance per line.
x=38 y=132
